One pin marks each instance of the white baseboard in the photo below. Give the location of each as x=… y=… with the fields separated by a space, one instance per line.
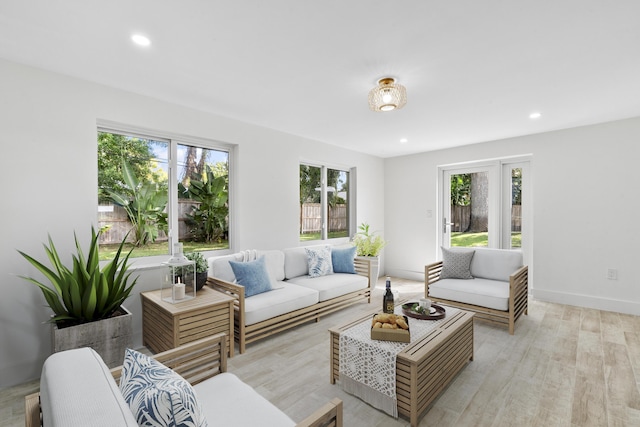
x=406 y=274
x=587 y=301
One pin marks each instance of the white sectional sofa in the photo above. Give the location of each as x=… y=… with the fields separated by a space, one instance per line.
x=493 y=283
x=296 y=297
x=78 y=389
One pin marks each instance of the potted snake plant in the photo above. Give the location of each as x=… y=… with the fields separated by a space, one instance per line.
x=86 y=300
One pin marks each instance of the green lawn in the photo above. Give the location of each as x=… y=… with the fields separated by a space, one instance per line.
x=316 y=236
x=480 y=239
x=159 y=248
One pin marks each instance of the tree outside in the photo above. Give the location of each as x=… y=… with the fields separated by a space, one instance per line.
x=470 y=209
x=113 y=149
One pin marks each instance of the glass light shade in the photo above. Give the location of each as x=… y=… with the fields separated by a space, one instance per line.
x=387 y=96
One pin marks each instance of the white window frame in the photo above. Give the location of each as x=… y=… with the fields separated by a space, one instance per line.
x=175 y=139
x=351 y=201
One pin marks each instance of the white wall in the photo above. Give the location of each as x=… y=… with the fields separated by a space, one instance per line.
x=585 y=210
x=584 y=197
x=49 y=177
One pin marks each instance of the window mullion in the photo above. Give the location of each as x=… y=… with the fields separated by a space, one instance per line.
x=173 y=195
x=324 y=203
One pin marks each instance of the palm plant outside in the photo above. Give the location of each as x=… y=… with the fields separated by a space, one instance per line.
x=145 y=205
x=208 y=219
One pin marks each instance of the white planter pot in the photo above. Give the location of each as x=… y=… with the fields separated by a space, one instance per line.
x=108 y=337
x=375 y=266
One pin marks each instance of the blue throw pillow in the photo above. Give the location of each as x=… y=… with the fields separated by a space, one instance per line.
x=319 y=260
x=342 y=260
x=156 y=395
x=253 y=275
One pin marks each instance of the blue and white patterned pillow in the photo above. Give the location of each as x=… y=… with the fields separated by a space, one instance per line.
x=319 y=260
x=158 y=396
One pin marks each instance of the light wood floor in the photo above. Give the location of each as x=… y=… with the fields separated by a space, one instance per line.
x=565 y=366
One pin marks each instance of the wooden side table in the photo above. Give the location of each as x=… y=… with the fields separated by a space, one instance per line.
x=166 y=326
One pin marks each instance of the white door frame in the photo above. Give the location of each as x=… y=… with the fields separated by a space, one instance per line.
x=444 y=219
x=499 y=190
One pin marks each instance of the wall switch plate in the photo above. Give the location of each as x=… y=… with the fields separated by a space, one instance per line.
x=612 y=274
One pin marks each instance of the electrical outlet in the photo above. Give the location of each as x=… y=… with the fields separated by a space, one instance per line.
x=612 y=274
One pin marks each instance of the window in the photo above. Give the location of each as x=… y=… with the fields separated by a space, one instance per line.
x=155 y=190
x=324 y=203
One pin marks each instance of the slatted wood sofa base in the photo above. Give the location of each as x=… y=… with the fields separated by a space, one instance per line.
x=245 y=334
x=518 y=298
x=196 y=362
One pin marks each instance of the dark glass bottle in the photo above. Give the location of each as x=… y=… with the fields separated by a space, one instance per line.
x=387 y=300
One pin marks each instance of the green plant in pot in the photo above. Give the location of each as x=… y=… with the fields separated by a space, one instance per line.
x=85 y=295
x=369 y=244
x=202 y=268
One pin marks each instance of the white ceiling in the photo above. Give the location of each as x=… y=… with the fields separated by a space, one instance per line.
x=474 y=70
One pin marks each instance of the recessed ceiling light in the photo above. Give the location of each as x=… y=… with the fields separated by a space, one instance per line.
x=140 y=40
x=535 y=115
x=404 y=140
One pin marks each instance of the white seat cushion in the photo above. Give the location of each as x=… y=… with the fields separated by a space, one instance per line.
x=296 y=262
x=227 y=401
x=220 y=268
x=495 y=264
x=71 y=384
x=275 y=263
x=278 y=301
x=485 y=293
x=332 y=285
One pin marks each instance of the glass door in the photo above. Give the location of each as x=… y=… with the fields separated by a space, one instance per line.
x=486 y=205
x=469 y=206
x=513 y=195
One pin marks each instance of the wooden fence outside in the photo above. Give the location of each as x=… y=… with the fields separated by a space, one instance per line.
x=311 y=218
x=117 y=218
x=461 y=217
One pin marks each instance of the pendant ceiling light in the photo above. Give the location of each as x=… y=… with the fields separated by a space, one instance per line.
x=387 y=96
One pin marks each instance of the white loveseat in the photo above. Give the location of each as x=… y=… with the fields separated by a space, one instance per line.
x=78 y=389
x=296 y=297
x=494 y=284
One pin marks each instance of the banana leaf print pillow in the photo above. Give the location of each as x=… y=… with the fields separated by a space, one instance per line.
x=319 y=260
x=158 y=396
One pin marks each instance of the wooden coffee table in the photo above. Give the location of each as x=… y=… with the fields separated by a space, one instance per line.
x=425 y=367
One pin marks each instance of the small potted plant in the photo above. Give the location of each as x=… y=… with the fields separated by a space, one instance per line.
x=202 y=268
x=369 y=244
